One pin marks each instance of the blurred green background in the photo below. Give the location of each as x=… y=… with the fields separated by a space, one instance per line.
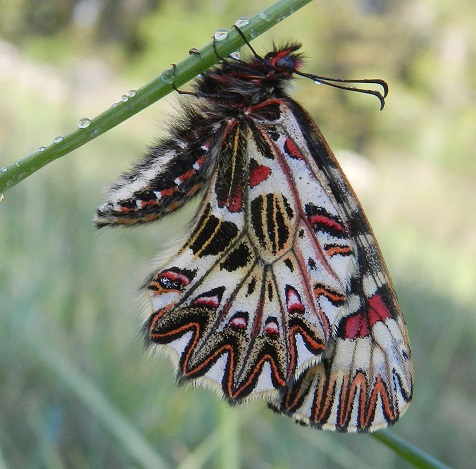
x=77 y=389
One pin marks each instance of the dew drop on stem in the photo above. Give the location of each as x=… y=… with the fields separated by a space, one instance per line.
x=84 y=122
x=221 y=34
x=243 y=21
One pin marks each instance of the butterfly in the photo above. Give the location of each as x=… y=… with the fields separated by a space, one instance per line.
x=280 y=291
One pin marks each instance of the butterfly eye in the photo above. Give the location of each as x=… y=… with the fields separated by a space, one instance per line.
x=285 y=63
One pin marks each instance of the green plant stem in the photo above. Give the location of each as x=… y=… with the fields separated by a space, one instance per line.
x=230 y=438
x=407 y=451
x=212 y=444
x=148 y=94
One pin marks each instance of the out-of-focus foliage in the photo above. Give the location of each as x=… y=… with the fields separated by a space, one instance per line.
x=107 y=21
x=71 y=352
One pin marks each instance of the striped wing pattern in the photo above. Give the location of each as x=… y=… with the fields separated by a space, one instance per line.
x=170 y=175
x=280 y=291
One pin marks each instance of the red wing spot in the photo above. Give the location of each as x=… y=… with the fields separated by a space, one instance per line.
x=168 y=192
x=322 y=220
x=292 y=150
x=378 y=311
x=359 y=324
x=258 y=173
x=293 y=301
x=210 y=299
x=356 y=326
x=238 y=322
x=199 y=162
x=271 y=328
x=150 y=202
x=171 y=280
x=234 y=202
x=187 y=175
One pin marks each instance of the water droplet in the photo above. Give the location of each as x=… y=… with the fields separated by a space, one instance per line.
x=2 y=197
x=317 y=82
x=168 y=76
x=83 y=123
x=235 y=55
x=114 y=104
x=131 y=93
x=17 y=164
x=58 y=139
x=221 y=34
x=4 y=169
x=42 y=149
x=263 y=16
x=243 y=21
x=124 y=98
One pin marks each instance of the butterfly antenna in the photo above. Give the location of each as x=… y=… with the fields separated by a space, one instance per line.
x=334 y=82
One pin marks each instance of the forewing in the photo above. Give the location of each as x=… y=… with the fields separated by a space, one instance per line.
x=171 y=174
x=364 y=380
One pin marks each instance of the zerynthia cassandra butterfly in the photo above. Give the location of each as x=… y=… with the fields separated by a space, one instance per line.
x=280 y=292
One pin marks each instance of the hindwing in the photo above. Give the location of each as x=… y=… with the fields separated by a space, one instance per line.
x=364 y=380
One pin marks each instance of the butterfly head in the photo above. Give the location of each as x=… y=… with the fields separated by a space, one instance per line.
x=284 y=61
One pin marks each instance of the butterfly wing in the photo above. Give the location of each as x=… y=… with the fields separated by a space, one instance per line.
x=238 y=305
x=280 y=292
x=364 y=380
x=171 y=174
